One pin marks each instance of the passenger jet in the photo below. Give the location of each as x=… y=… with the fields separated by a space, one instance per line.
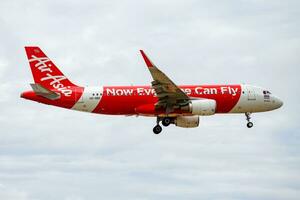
x=180 y=105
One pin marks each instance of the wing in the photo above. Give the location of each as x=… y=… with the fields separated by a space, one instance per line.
x=170 y=96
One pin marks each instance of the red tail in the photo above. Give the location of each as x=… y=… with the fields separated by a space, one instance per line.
x=46 y=73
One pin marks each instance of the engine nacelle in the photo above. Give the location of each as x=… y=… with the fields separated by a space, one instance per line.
x=203 y=107
x=187 y=121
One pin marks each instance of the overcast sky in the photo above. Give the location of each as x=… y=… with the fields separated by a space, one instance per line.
x=52 y=153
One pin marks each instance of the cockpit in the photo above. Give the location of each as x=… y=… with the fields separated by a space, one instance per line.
x=266 y=92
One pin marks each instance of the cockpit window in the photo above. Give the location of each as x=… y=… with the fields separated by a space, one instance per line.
x=266 y=92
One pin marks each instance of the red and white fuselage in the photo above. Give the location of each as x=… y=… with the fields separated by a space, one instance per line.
x=140 y=100
x=53 y=88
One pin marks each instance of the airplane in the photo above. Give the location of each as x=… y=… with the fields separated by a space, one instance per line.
x=168 y=102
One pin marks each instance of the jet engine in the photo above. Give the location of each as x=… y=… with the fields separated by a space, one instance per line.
x=187 y=121
x=202 y=107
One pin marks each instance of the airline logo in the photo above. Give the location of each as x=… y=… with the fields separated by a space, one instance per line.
x=46 y=73
x=43 y=64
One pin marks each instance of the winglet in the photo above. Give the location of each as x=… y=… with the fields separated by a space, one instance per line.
x=147 y=60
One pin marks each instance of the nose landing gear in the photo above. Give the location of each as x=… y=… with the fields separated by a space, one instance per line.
x=249 y=124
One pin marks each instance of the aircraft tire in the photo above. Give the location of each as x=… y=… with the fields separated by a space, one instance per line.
x=157 y=129
x=249 y=124
x=166 y=121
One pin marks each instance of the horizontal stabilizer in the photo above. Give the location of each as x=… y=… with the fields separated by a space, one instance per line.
x=44 y=92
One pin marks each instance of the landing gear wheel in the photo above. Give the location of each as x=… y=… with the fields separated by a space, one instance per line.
x=249 y=124
x=157 y=129
x=166 y=121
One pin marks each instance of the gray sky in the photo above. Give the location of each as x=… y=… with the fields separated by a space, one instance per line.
x=51 y=153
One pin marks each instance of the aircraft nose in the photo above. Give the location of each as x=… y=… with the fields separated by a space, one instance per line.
x=278 y=102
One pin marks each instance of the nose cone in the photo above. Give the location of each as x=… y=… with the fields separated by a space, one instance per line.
x=277 y=102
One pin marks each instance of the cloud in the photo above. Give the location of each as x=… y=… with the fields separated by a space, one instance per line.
x=12 y=193
x=52 y=153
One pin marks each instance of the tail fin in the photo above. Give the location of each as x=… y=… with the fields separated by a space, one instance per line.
x=45 y=72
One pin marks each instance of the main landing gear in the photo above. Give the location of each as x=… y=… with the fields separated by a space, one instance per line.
x=249 y=124
x=166 y=121
x=157 y=129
